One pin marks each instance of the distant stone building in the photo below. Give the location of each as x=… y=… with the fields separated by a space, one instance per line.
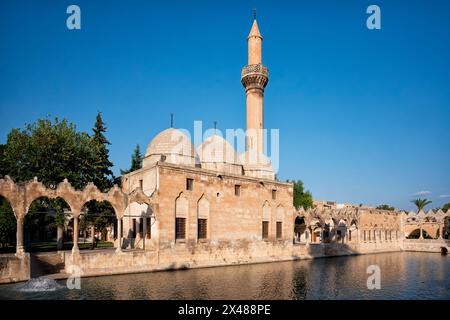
x=320 y=204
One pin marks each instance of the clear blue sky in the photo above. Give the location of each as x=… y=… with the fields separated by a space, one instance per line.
x=363 y=115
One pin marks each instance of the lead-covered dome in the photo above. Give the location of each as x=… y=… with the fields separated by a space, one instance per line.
x=215 y=153
x=170 y=145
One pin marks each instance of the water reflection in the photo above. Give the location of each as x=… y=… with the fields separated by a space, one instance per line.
x=403 y=276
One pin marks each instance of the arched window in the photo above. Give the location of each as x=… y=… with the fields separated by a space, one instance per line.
x=202 y=218
x=265 y=221
x=181 y=214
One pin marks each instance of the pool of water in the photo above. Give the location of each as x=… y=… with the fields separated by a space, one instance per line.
x=404 y=275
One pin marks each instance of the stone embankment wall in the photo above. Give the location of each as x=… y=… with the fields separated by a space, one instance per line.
x=14 y=268
x=185 y=256
x=425 y=245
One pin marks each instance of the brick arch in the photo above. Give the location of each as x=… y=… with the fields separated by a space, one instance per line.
x=181 y=206
x=431 y=229
x=21 y=195
x=203 y=207
x=280 y=212
x=266 y=211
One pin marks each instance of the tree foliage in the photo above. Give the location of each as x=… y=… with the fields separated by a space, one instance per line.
x=302 y=198
x=136 y=161
x=7 y=223
x=421 y=203
x=385 y=207
x=52 y=151
x=446 y=207
x=102 y=175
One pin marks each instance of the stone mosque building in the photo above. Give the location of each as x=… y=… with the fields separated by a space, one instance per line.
x=212 y=194
x=188 y=208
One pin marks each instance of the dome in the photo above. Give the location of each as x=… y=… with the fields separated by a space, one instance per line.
x=170 y=145
x=217 y=154
x=217 y=149
x=257 y=165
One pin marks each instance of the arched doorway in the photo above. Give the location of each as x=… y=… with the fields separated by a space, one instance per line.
x=415 y=234
x=326 y=233
x=98 y=225
x=352 y=233
x=300 y=232
x=46 y=225
x=138 y=227
x=316 y=231
x=341 y=231
x=8 y=227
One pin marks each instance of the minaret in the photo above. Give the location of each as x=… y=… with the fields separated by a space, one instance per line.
x=254 y=78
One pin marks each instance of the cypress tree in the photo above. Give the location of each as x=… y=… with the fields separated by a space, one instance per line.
x=102 y=175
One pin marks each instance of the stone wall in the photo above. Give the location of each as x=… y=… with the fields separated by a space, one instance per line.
x=14 y=268
x=190 y=255
x=427 y=245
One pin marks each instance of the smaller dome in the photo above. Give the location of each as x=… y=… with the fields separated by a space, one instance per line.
x=257 y=165
x=170 y=145
x=217 y=149
x=217 y=154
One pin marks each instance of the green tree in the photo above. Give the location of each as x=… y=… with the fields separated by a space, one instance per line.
x=7 y=223
x=2 y=160
x=136 y=161
x=385 y=207
x=421 y=203
x=101 y=173
x=98 y=213
x=302 y=198
x=51 y=151
x=446 y=207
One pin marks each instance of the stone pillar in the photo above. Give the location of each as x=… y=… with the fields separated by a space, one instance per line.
x=59 y=238
x=20 y=249
x=421 y=234
x=75 y=234
x=119 y=234
x=441 y=230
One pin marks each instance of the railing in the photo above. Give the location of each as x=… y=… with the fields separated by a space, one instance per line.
x=254 y=69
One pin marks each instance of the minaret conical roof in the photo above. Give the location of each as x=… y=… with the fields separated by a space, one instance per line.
x=254 y=31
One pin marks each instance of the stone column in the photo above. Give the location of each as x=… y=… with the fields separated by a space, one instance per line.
x=75 y=234
x=441 y=230
x=20 y=249
x=421 y=234
x=59 y=238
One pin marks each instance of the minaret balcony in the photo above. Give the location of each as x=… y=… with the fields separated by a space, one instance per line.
x=254 y=76
x=255 y=69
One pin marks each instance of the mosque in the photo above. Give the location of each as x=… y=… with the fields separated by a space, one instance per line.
x=212 y=193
